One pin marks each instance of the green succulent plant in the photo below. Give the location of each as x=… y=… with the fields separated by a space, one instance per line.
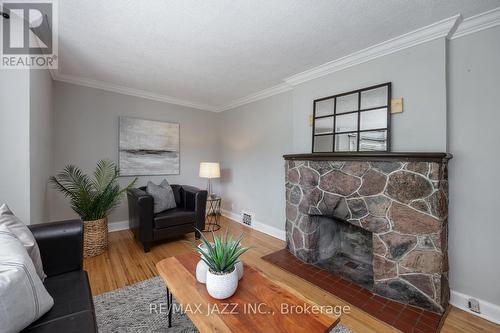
x=222 y=254
x=92 y=198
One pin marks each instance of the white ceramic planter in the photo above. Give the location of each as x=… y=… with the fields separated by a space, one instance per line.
x=201 y=272
x=239 y=269
x=202 y=247
x=222 y=286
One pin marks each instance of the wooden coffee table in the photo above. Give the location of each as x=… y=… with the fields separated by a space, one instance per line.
x=259 y=304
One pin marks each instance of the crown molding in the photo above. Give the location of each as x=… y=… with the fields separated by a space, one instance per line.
x=444 y=28
x=478 y=22
x=130 y=91
x=277 y=89
x=450 y=28
x=441 y=29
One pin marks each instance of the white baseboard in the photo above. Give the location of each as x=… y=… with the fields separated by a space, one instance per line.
x=271 y=231
x=257 y=225
x=489 y=311
x=118 y=225
x=230 y=215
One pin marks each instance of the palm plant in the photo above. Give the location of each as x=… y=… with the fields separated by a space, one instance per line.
x=91 y=198
x=222 y=254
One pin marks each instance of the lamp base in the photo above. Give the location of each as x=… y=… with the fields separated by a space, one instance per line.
x=209 y=189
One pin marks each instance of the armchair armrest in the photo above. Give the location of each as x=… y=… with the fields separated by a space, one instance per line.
x=61 y=245
x=140 y=208
x=196 y=200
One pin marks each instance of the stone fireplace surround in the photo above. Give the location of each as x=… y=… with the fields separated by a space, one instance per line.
x=401 y=198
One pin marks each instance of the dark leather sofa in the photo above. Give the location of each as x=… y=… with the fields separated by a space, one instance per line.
x=61 y=248
x=149 y=227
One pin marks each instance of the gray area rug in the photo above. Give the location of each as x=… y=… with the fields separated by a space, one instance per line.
x=137 y=308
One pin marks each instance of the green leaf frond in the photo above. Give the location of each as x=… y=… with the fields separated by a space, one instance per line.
x=91 y=198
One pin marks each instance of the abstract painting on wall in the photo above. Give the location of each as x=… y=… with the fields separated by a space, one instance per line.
x=148 y=147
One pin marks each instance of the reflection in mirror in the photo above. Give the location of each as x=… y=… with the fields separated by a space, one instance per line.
x=323 y=143
x=373 y=141
x=323 y=125
x=347 y=103
x=374 y=98
x=346 y=122
x=346 y=142
x=324 y=108
x=373 y=119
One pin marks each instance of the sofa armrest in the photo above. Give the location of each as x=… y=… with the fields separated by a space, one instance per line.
x=61 y=245
x=196 y=200
x=141 y=213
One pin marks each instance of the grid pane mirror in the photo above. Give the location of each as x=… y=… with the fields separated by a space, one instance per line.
x=354 y=121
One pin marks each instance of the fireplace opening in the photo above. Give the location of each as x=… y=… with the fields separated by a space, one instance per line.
x=346 y=250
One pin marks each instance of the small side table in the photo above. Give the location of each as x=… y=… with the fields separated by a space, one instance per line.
x=213 y=214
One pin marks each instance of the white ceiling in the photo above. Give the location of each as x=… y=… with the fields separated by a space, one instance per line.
x=213 y=52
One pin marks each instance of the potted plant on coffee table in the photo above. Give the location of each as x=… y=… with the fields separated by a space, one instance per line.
x=92 y=198
x=221 y=256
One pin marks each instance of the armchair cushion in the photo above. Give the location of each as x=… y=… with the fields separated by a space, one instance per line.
x=173 y=217
x=71 y=295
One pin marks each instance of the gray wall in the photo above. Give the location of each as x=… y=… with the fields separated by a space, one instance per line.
x=461 y=76
x=86 y=130
x=14 y=141
x=474 y=170
x=253 y=139
x=417 y=74
x=41 y=149
x=256 y=135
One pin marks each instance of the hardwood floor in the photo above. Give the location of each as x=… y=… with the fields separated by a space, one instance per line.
x=125 y=263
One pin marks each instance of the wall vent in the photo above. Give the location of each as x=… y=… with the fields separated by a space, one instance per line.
x=246 y=218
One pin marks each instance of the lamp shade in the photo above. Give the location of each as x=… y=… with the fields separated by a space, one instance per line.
x=209 y=170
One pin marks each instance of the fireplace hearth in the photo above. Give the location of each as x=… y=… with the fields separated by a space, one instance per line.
x=377 y=219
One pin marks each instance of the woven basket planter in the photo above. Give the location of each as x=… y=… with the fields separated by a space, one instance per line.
x=95 y=237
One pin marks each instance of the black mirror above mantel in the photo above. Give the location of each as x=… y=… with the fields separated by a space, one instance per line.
x=400 y=198
x=353 y=121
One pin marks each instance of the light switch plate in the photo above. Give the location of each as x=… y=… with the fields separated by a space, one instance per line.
x=397 y=105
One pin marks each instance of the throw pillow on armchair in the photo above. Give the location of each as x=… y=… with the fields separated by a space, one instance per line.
x=163 y=196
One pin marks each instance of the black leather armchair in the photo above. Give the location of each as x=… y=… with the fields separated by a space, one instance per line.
x=149 y=227
x=61 y=248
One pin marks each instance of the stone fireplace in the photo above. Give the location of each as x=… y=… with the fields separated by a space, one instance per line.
x=379 y=220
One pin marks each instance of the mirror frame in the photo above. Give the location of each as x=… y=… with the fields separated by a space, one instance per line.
x=358 y=112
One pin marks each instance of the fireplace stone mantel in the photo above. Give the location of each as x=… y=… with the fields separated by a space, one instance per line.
x=372 y=156
x=401 y=198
